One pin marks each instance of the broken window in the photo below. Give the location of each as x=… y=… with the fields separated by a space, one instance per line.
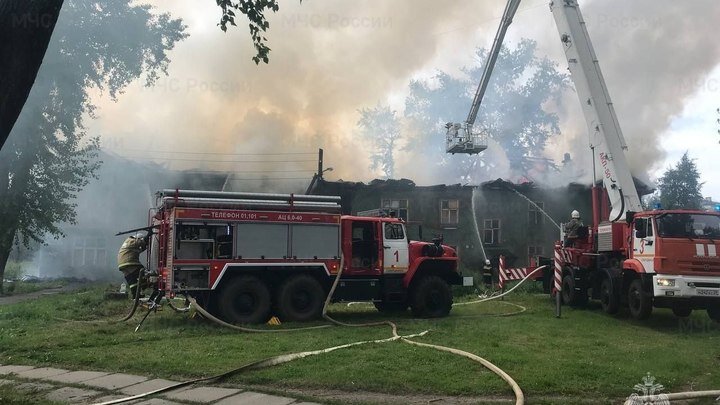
x=535 y=251
x=399 y=206
x=535 y=215
x=449 y=211
x=491 y=231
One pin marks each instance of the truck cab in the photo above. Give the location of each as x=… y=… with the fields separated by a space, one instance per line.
x=678 y=251
x=382 y=265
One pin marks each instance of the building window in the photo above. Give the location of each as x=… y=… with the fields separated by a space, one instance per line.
x=399 y=206
x=491 y=232
x=535 y=216
x=449 y=211
x=89 y=252
x=535 y=251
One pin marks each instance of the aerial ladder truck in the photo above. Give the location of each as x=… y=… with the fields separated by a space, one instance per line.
x=629 y=257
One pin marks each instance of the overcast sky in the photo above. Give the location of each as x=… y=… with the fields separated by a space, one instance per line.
x=329 y=59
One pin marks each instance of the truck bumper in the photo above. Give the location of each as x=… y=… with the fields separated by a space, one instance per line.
x=696 y=289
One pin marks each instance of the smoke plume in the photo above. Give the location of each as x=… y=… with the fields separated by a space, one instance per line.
x=331 y=59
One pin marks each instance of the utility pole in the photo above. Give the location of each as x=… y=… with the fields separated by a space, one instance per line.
x=319 y=175
x=320 y=164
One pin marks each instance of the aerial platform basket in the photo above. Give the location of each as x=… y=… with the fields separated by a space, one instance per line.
x=461 y=139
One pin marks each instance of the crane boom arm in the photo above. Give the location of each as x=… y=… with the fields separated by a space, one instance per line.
x=606 y=138
x=510 y=10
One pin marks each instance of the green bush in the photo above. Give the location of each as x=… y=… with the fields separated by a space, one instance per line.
x=14 y=270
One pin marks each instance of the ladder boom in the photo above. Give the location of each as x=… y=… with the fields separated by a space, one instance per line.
x=510 y=10
x=606 y=138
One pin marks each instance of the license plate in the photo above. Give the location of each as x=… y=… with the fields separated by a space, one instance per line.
x=707 y=292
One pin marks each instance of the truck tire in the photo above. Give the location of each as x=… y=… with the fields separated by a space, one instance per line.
x=569 y=295
x=608 y=297
x=244 y=299
x=714 y=314
x=391 y=307
x=300 y=298
x=639 y=301
x=682 y=311
x=431 y=298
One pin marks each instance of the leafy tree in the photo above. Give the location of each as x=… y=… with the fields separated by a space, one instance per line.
x=511 y=113
x=680 y=186
x=254 y=10
x=104 y=44
x=381 y=126
x=25 y=29
x=27 y=25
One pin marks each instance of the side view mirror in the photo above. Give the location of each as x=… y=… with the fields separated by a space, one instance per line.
x=629 y=216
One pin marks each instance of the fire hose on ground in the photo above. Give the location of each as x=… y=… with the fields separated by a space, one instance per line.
x=275 y=360
x=280 y=359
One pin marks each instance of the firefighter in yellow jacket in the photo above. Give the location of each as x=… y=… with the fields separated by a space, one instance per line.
x=129 y=259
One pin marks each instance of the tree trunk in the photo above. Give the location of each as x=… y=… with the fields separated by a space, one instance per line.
x=25 y=30
x=4 y=255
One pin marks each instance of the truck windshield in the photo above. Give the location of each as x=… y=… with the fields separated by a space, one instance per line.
x=692 y=226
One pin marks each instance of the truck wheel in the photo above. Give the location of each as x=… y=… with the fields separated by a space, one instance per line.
x=682 y=311
x=431 y=298
x=714 y=314
x=300 y=298
x=244 y=299
x=608 y=298
x=569 y=295
x=639 y=301
x=391 y=307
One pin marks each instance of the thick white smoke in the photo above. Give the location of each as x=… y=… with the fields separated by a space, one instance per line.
x=329 y=59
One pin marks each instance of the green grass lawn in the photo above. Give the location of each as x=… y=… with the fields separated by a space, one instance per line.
x=585 y=353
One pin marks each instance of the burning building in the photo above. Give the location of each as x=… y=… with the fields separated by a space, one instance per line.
x=494 y=218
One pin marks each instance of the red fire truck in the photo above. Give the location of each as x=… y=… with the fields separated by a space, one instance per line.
x=246 y=256
x=629 y=256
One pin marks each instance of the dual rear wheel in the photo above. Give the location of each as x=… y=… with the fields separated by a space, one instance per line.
x=247 y=299
x=639 y=300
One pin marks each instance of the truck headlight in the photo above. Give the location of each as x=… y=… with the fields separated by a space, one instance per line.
x=666 y=282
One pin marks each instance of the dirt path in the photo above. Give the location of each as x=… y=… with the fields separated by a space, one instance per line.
x=15 y=298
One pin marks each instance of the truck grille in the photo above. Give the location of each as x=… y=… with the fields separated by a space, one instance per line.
x=694 y=265
x=604 y=239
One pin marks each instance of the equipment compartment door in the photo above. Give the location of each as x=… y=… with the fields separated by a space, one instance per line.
x=395 y=246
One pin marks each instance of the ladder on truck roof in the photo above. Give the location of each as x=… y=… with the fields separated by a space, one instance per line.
x=169 y=198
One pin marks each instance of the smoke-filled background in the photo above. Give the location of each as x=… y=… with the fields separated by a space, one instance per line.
x=216 y=111
x=330 y=59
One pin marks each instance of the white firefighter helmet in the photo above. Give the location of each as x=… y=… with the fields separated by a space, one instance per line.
x=487 y=262
x=140 y=235
x=575 y=214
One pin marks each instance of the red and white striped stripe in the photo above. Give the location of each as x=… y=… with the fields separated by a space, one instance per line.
x=510 y=274
x=560 y=254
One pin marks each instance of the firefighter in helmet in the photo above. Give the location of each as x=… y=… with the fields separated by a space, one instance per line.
x=129 y=259
x=571 y=228
x=487 y=273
